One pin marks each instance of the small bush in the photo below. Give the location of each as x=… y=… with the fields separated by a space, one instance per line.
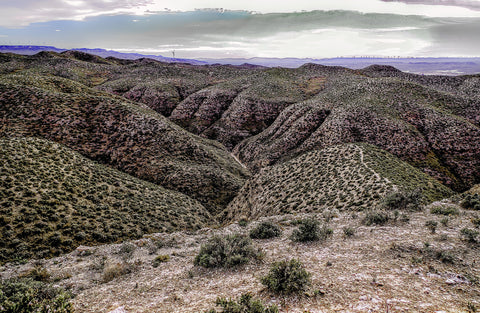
x=376 y=217
x=432 y=225
x=403 y=200
x=475 y=221
x=265 y=230
x=160 y=259
x=471 y=202
x=126 y=250
x=444 y=210
x=246 y=304
x=114 y=270
x=38 y=273
x=243 y=222
x=28 y=296
x=227 y=251
x=469 y=234
x=287 y=277
x=309 y=230
x=348 y=231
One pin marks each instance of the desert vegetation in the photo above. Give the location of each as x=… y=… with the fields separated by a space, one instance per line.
x=150 y=187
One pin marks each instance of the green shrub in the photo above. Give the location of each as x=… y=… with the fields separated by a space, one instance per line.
x=432 y=225
x=348 y=231
x=160 y=259
x=309 y=230
x=227 y=251
x=243 y=222
x=126 y=250
x=265 y=230
x=376 y=217
x=287 y=277
x=475 y=221
x=246 y=304
x=444 y=210
x=403 y=200
x=29 y=296
x=469 y=234
x=471 y=202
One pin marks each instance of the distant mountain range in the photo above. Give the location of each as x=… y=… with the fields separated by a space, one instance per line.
x=427 y=66
x=31 y=50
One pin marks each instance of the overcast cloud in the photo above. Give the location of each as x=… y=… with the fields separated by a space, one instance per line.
x=340 y=28
x=469 y=4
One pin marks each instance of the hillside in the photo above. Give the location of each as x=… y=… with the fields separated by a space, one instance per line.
x=122 y=134
x=54 y=199
x=349 y=177
x=115 y=173
x=416 y=123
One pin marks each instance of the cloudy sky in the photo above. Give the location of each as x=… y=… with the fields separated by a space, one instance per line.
x=248 y=28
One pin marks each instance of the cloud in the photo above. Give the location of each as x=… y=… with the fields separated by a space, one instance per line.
x=216 y=33
x=213 y=33
x=19 y=13
x=469 y=4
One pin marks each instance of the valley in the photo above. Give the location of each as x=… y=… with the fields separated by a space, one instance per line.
x=109 y=164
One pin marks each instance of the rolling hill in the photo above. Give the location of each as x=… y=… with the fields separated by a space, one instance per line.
x=53 y=199
x=352 y=177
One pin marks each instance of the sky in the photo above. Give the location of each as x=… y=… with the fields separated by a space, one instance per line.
x=248 y=28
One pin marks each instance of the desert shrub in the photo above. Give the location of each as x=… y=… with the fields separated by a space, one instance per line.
x=38 y=273
x=402 y=200
x=432 y=225
x=287 y=277
x=243 y=222
x=226 y=251
x=265 y=230
x=471 y=202
x=29 y=296
x=126 y=250
x=376 y=217
x=469 y=234
x=114 y=270
x=246 y=304
x=348 y=231
x=309 y=230
x=475 y=221
x=444 y=210
x=160 y=259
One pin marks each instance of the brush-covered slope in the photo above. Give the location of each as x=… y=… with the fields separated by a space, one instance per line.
x=232 y=111
x=419 y=125
x=52 y=199
x=349 y=176
x=120 y=133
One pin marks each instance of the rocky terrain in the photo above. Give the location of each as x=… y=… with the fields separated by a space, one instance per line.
x=98 y=151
